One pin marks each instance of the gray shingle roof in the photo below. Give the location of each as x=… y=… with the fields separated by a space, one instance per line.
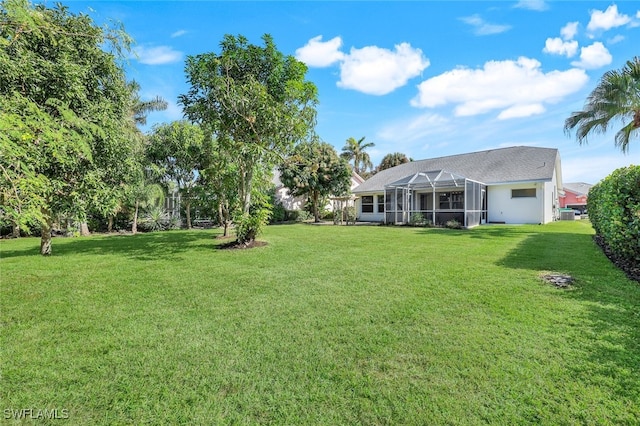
x=513 y=164
x=579 y=188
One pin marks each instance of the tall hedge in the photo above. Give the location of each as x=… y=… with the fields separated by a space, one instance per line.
x=614 y=211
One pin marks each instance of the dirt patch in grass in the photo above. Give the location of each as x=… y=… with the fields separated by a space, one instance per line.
x=558 y=280
x=235 y=245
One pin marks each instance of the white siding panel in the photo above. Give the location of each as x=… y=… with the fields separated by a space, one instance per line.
x=503 y=208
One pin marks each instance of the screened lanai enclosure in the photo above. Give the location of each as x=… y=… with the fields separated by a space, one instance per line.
x=436 y=197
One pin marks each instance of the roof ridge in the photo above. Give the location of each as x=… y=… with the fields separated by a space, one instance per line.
x=483 y=151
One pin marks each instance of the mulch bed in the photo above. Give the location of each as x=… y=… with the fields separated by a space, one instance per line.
x=630 y=268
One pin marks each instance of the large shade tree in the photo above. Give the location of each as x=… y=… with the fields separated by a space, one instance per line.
x=355 y=150
x=614 y=101
x=316 y=170
x=63 y=112
x=257 y=102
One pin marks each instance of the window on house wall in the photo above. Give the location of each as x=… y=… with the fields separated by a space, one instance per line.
x=457 y=200
x=451 y=200
x=445 y=200
x=367 y=204
x=380 y=199
x=523 y=193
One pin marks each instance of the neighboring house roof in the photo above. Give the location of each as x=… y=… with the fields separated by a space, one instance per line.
x=578 y=188
x=494 y=166
x=356 y=179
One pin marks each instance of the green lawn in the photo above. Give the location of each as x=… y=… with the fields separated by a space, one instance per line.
x=324 y=325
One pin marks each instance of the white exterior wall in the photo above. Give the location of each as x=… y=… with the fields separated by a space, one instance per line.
x=551 y=201
x=376 y=216
x=503 y=208
x=289 y=202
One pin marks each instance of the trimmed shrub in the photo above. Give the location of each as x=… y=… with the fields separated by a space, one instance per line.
x=614 y=211
x=417 y=219
x=453 y=224
x=250 y=225
x=279 y=213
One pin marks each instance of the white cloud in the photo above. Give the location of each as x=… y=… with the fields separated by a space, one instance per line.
x=481 y=27
x=608 y=19
x=593 y=56
x=537 y=5
x=518 y=111
x=157 y=55
x=377 y=71
x=557 y=46
x=317 y=53
x=615 y=39
x=515 y=88
x=178 y=33
x=569 y=31
x=415 y=128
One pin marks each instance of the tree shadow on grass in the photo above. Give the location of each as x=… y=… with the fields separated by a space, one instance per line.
x=148 y=246
x=609 y=301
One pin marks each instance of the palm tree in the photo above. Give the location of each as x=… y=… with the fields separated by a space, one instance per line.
x=354 y=150
x=392 y=160
x=140 y=108
x=615 y=98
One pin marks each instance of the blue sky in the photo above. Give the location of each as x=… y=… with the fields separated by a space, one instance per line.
x=425 y=78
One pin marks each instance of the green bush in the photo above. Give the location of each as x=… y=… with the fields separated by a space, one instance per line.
x=301 y=216
x=155 y=219
x=417 y=219
x=614 y=211
x=279 y=213
x=250 y=225
x=453 y=224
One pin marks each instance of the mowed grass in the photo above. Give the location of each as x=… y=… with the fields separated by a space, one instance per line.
x=324 y=325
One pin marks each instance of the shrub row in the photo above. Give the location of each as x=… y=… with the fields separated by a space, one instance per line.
x=614 y=211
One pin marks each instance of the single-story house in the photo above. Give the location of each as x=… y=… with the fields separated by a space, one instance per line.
x=290 y=202
x=514 y=185
x=575 y=195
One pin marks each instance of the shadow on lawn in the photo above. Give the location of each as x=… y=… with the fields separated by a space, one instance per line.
x=149 y=246
x=610 y=301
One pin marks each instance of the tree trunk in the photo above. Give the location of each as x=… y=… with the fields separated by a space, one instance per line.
x=316 y=215
x=45 y=236
x=110 y=224
x=187 y=210
x=246 y=183
x=16 y=230
x=84 y=229
x=134 y=226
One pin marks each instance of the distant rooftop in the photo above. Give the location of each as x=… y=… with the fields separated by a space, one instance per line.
x=579 y=188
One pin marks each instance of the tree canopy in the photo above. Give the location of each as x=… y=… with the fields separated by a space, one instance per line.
x=392 y=160
x=255 y=100
x=179 y=150
x=316 y=170
x=64 y=102
x=616 y=99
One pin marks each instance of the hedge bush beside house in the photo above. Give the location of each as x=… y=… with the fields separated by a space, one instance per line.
x=614 y=211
